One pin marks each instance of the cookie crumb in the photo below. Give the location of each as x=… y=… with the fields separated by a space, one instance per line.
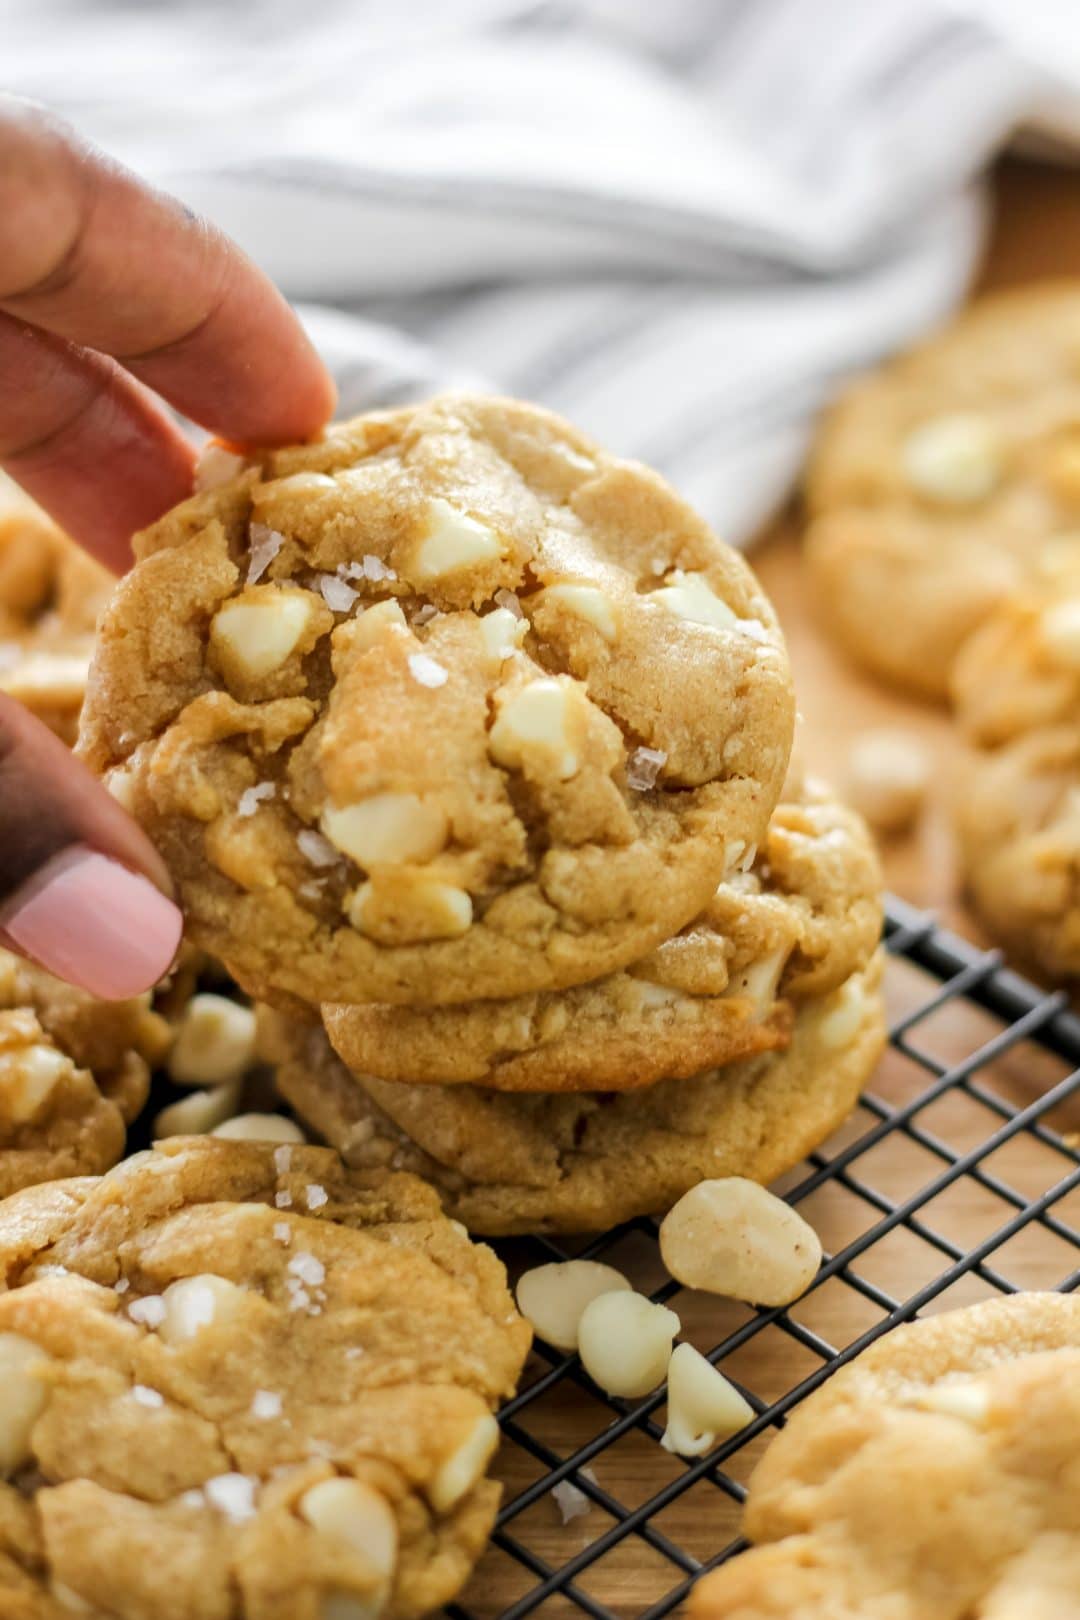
x=888 y=779
x=427 y=670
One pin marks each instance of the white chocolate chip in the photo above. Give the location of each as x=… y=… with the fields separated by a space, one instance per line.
x=28 y=1078
x=553 y=1297
x=954 y=459
x=966 y=1399
x=759 y=981
x=348 y=1510
x=502 y=633
x=453 y=540
x=386 y=829
x=198 y=1114
x=734 y=1238
x=1060 y=630
x=537 y=719
x=624 y=1341
x=369 y=629
x=460 y=1471
x=198 y=1302
x=216 y=466
x=215 y=1042
x=259 y=1128
x=436 y=910
x=586 y=602
x=844 y=1014
x=254 y=637
x=888 y=778
x=702 y=1406
x=23 y=1396
x=690 y=596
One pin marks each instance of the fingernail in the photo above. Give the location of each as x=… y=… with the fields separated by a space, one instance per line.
x=95 y=923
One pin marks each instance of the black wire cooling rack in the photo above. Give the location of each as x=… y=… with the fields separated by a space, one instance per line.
x=958 y=1178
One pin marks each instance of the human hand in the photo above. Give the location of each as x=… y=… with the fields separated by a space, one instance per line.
x=108 y=290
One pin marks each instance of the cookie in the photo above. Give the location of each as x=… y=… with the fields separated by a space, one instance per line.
x=243 y=1381
x=803 y=917
x=937 y=481
x=507 y=1163
x=74 y=1073
x=934 y=1478
x=448 y=703
x=51 y=593
x=1016 y=695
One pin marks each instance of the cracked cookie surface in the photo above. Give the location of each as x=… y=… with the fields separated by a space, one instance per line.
x=74 y=1073
x=938 y=482
x=800 y=920
x=51 y=594
x=934 y=1478
x=583 y=1161
x=1016 y=808
x=241 y=1381
x=449 y=702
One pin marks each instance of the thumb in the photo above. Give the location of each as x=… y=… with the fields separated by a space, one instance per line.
x=80 y=884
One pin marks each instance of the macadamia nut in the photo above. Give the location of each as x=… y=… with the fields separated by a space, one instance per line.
x=734 y=1238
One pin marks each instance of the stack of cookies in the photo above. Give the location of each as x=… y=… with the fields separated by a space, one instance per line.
x=466 y=745
x=945 y=499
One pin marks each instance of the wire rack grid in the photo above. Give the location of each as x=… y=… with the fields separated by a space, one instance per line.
x=957 y=1179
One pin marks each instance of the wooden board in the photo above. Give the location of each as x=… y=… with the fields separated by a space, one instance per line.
x=1036 y=233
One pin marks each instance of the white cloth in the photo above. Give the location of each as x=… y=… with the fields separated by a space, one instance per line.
x=682 y=224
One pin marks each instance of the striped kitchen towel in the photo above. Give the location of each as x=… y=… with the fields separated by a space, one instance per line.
x=682 y=224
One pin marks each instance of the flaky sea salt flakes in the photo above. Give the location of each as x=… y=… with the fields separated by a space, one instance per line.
x=121 y=1285
x=506 y=599
x=233 y=1495
x=282 y=1233
x=312 y=890
x=354 y=1352
x=316 y=1197
x=52 y=1271
x=428 y=671
x=643 y=767
x=338 y=596
x=265 y=1404
x=150 y=1311
x=368 y=567
x=283 y=1200
x=754 y=629
x=252 y=797
x=571 y=1503
x=192 y=1499
x=147 y=1396
x=283 y=1159
x=424 y=615
x=307 y=1268
x=265 y=543
x=315 y=848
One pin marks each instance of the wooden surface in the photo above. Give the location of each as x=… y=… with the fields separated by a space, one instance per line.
x=1036 y=233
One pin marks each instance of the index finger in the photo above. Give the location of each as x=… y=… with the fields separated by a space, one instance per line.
x=92 y=254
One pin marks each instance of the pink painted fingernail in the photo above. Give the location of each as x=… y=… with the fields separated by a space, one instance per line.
x=94 y=923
